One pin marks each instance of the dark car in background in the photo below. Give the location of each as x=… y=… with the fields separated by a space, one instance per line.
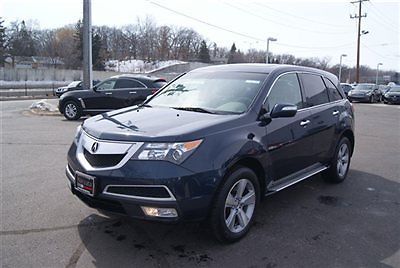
x=365 y=92
x=346 y=88
x=212 y=143
x=113 y=93
x=392 y=95
x=74 y=85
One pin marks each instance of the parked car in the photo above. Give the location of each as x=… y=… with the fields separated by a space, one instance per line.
x=392 y=96
x=365 y=92
x=113 y=93
x=75 y=85
x=346 y=88
x=212 y=143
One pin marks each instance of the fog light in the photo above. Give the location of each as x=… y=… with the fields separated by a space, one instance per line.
x=160 y=212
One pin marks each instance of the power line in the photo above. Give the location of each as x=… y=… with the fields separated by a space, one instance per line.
x=383 y=16
x=206 y=23
x=381 y=20
x=279 y=23
x=299 y=17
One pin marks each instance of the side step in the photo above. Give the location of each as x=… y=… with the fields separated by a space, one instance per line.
x=283 y=183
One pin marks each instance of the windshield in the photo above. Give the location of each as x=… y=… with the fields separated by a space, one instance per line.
x=364 y=87
x=216 y=92
x=394 y=89
x=73 y=84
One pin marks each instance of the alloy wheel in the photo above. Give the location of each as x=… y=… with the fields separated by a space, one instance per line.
x=343 y=160
x=70 y=110
x=239 y=205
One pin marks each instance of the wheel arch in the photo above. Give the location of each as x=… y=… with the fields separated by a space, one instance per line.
x=350 y=135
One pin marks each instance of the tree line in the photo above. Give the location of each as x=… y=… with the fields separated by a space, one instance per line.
x=144 y=40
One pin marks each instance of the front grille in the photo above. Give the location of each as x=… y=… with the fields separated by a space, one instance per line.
x=103 y=160
x=140 y=191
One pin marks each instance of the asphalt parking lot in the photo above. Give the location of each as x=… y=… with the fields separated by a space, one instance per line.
x=312 y=224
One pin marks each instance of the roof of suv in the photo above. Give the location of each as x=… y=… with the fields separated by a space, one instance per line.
x=140 y=77
x=264 y=68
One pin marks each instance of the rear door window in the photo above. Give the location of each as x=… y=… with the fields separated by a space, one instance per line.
x=333 y=92
x=286 y=90
x=315 y=90
x=128 y=83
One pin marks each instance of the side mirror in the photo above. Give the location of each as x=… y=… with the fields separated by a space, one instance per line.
x=94 y=88
x=283 y=110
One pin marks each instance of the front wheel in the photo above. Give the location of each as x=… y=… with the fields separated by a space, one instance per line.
x=340 y=163
x=235 y=205
x=72 y=111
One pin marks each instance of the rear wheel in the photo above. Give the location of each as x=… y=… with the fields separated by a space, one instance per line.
x=371 y=99
x=235 y=205
x=340 y=163
x=72 y=111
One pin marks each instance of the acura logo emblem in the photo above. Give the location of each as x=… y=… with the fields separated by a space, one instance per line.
x=95 y=146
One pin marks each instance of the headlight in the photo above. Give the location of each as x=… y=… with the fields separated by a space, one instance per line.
x=386 y=95
x=350 y=93
x=173 y=152
x=369 y=93
x=78 y=134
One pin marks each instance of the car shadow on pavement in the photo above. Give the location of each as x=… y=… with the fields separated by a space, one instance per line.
x=312 y=224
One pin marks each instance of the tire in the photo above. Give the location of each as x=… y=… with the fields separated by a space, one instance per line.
x=371 y=99
x=232 y=216
x=72 y=111
x=340 y=163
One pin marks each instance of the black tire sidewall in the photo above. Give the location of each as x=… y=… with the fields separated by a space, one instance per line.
x=78 y=110
x=219 y=227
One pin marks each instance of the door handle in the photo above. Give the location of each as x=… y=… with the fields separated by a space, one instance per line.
x=132 y=92
x=335 y=113
x=108 y=93
x=305 y=123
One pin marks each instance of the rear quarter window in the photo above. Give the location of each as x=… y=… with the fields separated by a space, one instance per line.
x=315 y=90
x=333 y=92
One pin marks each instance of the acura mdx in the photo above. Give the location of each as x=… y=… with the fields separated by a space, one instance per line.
x=212 y=143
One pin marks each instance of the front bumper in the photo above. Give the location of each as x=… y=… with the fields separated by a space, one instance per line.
x=359 y=98
x=190 y=193
x=392 y=99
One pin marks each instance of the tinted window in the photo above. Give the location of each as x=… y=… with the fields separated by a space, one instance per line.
x=333 y=92
x=315 y=89
x=128 y=83
x=106 y=85
x=159 y=84
x=286 y=90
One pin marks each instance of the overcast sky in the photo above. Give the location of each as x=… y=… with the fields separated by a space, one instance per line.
x=303 y=28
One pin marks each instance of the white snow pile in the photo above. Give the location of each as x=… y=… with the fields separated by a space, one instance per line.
x=43 y=106
x=139 y=66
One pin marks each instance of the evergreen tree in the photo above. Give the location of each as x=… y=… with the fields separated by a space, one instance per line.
x=2 y=42
x=232 y=54
x=204 y=54
x=21 y=41
x=97 y=55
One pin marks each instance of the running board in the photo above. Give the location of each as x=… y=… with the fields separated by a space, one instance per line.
x=286 y=182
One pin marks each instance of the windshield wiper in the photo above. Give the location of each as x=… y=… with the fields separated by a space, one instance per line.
x=194 y=109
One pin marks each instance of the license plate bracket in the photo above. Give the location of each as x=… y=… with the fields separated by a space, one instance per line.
x=85 y=183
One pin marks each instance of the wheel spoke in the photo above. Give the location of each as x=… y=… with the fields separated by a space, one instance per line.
x=242 y=217
x=230 y=201
x=240 y=188
x=248 y=199
x=230 y=221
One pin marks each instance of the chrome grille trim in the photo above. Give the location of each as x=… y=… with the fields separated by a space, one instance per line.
x=171 y=198
x=105 y=147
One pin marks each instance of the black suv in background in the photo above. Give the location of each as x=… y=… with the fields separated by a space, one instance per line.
x=212 y=143
x=113 y=93
x=365 y=92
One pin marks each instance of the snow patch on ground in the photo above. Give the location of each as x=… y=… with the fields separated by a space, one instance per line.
x=43 y=106
x=139 y=66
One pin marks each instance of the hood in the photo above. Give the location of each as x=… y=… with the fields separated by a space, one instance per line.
x=156 y=124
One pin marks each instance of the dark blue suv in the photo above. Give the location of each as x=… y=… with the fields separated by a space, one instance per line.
x=212 y=143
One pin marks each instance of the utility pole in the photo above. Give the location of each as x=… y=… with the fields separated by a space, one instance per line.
x=359 y=16
x=87 y=44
